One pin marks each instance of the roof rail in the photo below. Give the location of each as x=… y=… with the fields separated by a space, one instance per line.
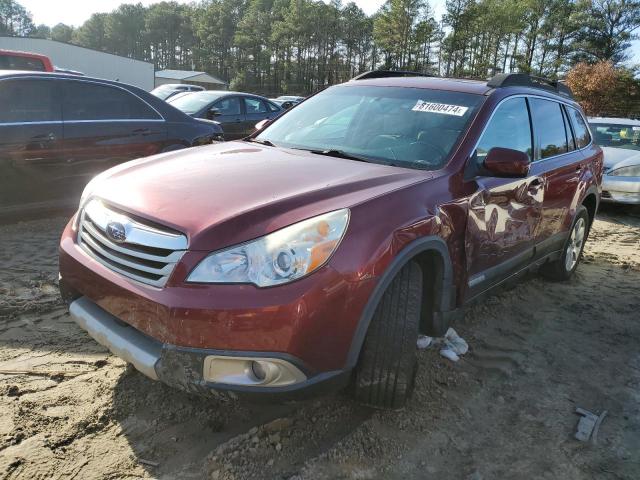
x=388 y=74
x=526 y=80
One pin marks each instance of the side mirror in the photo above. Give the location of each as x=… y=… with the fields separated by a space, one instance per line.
x=263 y=123
x=212 y=113
x=506 y=162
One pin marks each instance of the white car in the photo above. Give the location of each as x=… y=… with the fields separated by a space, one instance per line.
x=620 y=142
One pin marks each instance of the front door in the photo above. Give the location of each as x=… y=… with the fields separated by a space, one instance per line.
x=504 y=213
x=32 y=166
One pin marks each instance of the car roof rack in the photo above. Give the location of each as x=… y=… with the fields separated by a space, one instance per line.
x=526 y=80
x=388 y=74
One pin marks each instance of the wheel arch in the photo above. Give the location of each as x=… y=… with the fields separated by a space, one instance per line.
x=430 y=253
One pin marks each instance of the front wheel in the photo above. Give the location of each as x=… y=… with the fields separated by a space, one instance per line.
x=386 y=370
x=563 y=268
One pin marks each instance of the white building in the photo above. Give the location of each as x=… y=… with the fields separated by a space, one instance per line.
x=92 y=63
x=202 y=79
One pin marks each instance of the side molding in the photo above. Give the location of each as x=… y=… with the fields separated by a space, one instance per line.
x=431 y=243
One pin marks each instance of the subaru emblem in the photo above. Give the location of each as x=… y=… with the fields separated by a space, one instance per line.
x=116 y=232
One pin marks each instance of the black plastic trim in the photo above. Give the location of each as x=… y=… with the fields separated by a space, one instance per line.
x=431 y=243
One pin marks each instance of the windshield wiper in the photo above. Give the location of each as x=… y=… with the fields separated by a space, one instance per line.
x=340 y=154
x=261 y=142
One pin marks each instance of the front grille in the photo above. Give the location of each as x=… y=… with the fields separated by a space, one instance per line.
x=147 y=254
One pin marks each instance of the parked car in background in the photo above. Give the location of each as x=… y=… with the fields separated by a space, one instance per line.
x=620 y=141
x=168 y=90
x=58 y=131
x=290 y=98
x=237 y=112
x=14 y=60
x=313 y=253
x=285 y=104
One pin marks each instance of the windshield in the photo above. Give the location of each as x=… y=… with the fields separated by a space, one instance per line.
x=616 y=135
x=191 y=103
x=407 y=127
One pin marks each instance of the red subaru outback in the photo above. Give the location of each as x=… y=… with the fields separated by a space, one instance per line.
x=312 y=253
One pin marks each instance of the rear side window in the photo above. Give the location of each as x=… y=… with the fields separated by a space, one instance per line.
x=579 y=127
x=509 y=128
x=549 y=127
x=90 y=101
x=26 y=101
x=253 y=105
x=11 y=62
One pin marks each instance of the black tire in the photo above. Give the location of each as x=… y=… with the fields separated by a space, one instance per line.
x=386 y=369
x=562 y=268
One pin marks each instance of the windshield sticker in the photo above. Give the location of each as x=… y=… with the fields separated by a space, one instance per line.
x=430 y=107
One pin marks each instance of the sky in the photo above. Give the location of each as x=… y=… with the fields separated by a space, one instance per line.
x=75 y=12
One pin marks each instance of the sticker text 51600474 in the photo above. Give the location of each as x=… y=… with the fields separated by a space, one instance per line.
x=431 y=107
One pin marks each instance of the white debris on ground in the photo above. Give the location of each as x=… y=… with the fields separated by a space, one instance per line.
x=452 y=345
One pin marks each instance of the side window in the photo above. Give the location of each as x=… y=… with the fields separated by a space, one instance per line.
x=25 y=101
x=91 y=101
x=549 y=127
x=567 y=127
x=509 y=128
x=253 y=105
x=579 y=127
x=228 y=106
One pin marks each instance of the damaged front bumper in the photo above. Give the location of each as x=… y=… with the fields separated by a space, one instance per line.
x=203 y=370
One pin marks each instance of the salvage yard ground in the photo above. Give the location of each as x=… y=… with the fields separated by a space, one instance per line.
x=538 y=350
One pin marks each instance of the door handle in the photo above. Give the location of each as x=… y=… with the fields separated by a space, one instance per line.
x=50 y=137
x=141 y=131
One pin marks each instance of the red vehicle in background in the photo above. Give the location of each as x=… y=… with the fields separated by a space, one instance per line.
x=13 y=60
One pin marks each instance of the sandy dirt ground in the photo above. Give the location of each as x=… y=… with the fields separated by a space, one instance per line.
x=538 y=350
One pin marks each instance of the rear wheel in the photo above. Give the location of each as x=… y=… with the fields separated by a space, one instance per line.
x=563 y=268
x=386 y=370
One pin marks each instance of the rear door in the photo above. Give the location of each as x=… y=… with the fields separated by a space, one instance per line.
x=503 y=212
x=256 y=110
x=106 y=125
x=559 y=162
x=32 y=166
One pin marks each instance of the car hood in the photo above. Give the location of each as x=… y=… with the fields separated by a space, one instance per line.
x=620 y=157
x=224 y=194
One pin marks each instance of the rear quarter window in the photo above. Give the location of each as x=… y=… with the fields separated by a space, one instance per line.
x=582 y=136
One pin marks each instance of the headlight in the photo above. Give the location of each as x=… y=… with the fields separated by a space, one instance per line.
x=631 y=171
x=277 y=258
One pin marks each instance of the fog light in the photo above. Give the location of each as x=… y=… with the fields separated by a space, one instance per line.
x=250 y=371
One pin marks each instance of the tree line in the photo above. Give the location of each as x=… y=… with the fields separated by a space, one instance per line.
x=300 y=46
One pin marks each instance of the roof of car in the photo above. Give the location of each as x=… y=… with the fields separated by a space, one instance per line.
x=614 y=120
x=30 y=73
x=437 y=83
